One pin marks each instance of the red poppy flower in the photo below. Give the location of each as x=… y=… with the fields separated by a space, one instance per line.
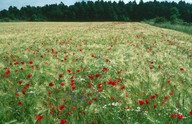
x=141 y=102
x=51 y=84
x=17 y=94
x=190 y=113
x=69 y=71
x=89 y=102
x=181 y=69
x=19 y=102
x=62 y=121
x=168 y=81
x=73 y=87
x=24 y=91
x=16 y=63
x=29 y=75
x=72 y=82
x=171 y=93
x=122 y=87
x=104 y=69
x=173 y=115
x=62 y=83
x=99 y=85
x=112 y=98
x=97 y=75
x=60 y=75
x=151 y=67
x=147 y=101
x=31 y=62
x=8 y=72
x=19 y=82
x=90 y=84
x=95 y=99
x=39 y=118
x=61 y=107
x=91 y=76
x=74 y=108
x=166 y=98
x=180 y=116
x=155 y=105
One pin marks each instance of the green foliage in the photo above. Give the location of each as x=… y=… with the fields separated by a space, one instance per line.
x=102 y=11
x=160 y=20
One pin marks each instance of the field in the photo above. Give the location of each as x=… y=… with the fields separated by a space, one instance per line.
x=94 y=73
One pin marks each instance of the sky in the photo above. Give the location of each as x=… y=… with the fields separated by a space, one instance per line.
x=4 y=4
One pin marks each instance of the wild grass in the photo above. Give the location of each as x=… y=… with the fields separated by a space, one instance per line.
x=186 y=28
x=94 y=73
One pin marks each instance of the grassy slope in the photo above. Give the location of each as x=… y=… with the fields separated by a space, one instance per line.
x=130 y=47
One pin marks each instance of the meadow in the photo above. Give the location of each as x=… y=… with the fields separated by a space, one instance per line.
x=94 y=73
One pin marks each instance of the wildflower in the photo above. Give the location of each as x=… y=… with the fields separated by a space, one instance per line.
x=51 y=84
x=152 y=97
x=17 y=94
x=8 y=72
x=73 y=87
x=99 y=85
x=90 y=84
x=122 y=87
x=155 y=105
x=112 y=82
x=166 y=98
x=112 y=98
x=62 y=121
x=24 y=91
x=180 y=116
x=61 y=107
x=62 y=83
x=95 y=99
x=20 y=82
x=29 y=75
x=72 y=82
x=89 y=102
x=173 y=115
x=147 y=101
x=39 y=118
x=69 y=71
x=16 y=63
x=91 y=76
x=168 y=81
x=60 y=75
x=190 y=113
x=181 y=69
x=104 y=69
x=97 y=75
x=141 y=102
x=19 y=103
x=31 y=62
x=74 y=108
x=171 y=93
x=150 y=67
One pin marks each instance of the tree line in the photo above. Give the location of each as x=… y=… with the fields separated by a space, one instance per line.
x=101 y=11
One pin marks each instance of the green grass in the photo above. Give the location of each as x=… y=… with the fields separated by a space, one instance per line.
x=94 y=73
x=177 y=27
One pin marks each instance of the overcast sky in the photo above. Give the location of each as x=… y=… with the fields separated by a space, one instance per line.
x=4 y=4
